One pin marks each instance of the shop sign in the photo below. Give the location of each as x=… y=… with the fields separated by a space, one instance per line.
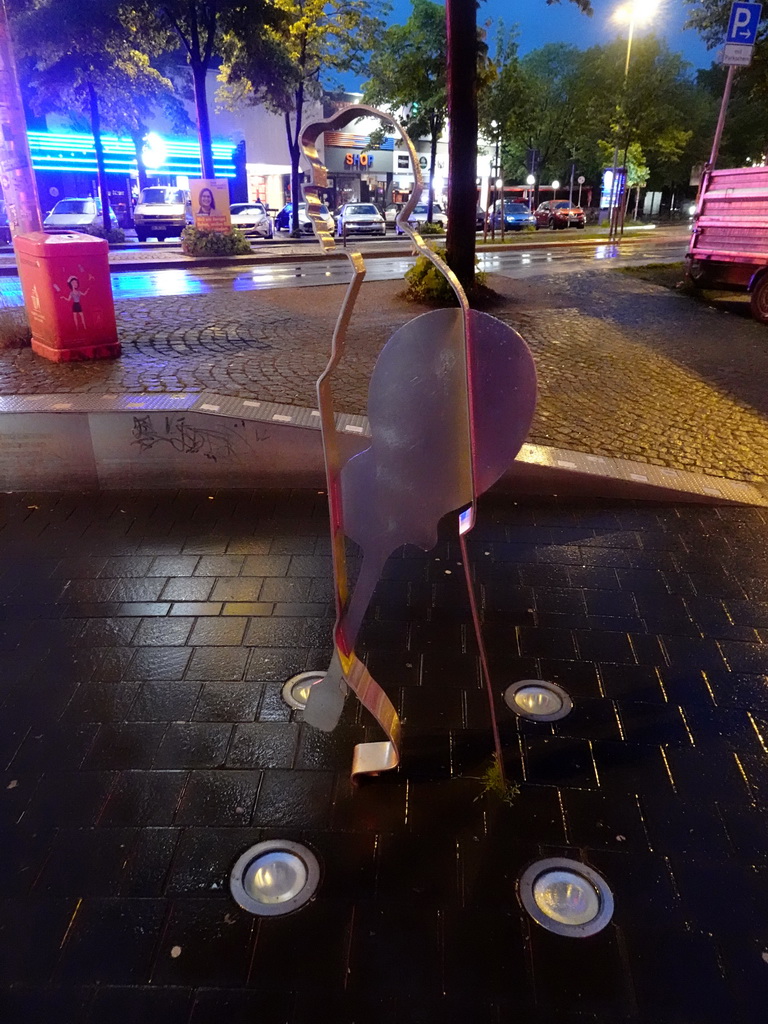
x=358 y=159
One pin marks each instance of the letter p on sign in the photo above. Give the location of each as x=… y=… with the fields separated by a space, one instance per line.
x=743 y=24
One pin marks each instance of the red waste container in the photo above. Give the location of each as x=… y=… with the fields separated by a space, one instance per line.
x=68 y=295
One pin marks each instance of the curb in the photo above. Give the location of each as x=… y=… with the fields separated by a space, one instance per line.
x=134 y=441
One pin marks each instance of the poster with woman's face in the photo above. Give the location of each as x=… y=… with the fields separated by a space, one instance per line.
x=210 y=204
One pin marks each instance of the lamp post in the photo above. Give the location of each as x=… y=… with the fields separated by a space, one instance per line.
x=634 y=13
x=530 y=182
x=555 y=187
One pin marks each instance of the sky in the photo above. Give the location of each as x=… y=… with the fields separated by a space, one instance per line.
x=539 y=23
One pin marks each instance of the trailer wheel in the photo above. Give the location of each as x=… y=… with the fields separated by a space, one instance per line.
x=758 y=300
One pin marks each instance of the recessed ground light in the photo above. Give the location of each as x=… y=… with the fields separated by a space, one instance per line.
x=566 y=897
x=274 y=878
x=296 y=690
x=538 y=699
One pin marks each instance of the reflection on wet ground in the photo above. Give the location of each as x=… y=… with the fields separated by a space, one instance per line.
x=182 y=281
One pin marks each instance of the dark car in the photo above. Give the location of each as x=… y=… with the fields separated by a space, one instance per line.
x=559 y=213
x=517 y=216
x=283 y=219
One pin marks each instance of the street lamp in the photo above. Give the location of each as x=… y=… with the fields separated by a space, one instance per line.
x=555 y=186
x=530 y=182
x=634 y=13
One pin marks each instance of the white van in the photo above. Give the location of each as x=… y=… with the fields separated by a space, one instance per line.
x=162 y=210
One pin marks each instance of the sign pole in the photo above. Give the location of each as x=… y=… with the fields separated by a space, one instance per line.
x=721 y=119
x=16 y=174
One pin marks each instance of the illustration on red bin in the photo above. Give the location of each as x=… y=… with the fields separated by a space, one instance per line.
x=58 y=274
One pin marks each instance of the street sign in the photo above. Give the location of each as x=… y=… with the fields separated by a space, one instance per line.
x=737 y=56
x=742 y=27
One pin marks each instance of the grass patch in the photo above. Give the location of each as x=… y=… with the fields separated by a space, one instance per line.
x=668 y=275
x=494 y=784
x=14 y=330
x=426 y=284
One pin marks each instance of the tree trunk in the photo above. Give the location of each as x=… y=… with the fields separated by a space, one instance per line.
x=99 y=147
x=141 y=167
x=203 y=124
x=461 y=76
x=637 y=201
x=295 y=151
x=432 y=162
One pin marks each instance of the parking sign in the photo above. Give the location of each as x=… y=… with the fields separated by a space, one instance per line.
x=742 y=27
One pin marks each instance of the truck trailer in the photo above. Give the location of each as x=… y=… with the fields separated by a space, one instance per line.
x=729 y=241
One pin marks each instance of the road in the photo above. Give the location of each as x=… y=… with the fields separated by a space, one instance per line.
x=517 y=263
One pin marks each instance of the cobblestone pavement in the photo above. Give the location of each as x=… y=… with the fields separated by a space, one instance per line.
x=626 y=368
x=144 y=640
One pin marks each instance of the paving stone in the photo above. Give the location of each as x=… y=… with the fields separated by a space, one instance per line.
x=131 y=800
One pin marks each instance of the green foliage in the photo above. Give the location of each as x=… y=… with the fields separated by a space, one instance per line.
x=427 y=284
x=116 y=235
x=564 y=102
x=214 y=243
x=495 y=784
x=637 y=171
x=305 y=47
x=408 y=67
x=431 y=229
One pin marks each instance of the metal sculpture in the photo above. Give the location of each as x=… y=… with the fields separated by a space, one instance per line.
x=450 y=403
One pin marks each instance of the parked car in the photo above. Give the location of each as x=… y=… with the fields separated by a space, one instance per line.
x=480 y=218
x=391 y=212
x=76 y=215
x=360 y=219
x=162 y=211
x=517 y=216
x=438 y=214
x=559 y=213
x=283 y=219
x=252 y=218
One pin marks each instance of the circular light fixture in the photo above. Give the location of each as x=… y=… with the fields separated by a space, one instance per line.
x=530 y=180
x=296 y=690
x=566 y=897
x=274 y=877
x=538 y=699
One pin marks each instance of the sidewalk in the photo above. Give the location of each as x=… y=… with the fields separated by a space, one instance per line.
x=627 y=370
x=144 y=746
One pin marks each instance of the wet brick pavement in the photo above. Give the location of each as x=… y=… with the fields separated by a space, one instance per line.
x=626 y=369
x=144 y=746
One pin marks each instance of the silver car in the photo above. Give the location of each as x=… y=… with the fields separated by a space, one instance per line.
x=360 y=219
x=252 y=218
x=76 y=215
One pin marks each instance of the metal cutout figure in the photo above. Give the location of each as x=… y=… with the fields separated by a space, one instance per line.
x=450 y=402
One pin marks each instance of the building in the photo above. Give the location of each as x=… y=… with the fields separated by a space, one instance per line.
x=250 y=148
x=361 y=171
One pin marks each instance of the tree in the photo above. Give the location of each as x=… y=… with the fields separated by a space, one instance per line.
x=198 y=27
x=285 y=63
x=462 y=53
x=502 y=96
x=81 y=59
x=407 y=70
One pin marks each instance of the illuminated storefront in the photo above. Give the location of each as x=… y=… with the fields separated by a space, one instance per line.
x=65 y=164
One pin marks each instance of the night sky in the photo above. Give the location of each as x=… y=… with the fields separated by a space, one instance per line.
x=539 y=23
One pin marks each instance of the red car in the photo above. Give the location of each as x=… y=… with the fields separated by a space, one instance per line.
x=559 y=213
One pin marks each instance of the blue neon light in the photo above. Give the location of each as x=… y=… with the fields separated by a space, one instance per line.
x=74 y=151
